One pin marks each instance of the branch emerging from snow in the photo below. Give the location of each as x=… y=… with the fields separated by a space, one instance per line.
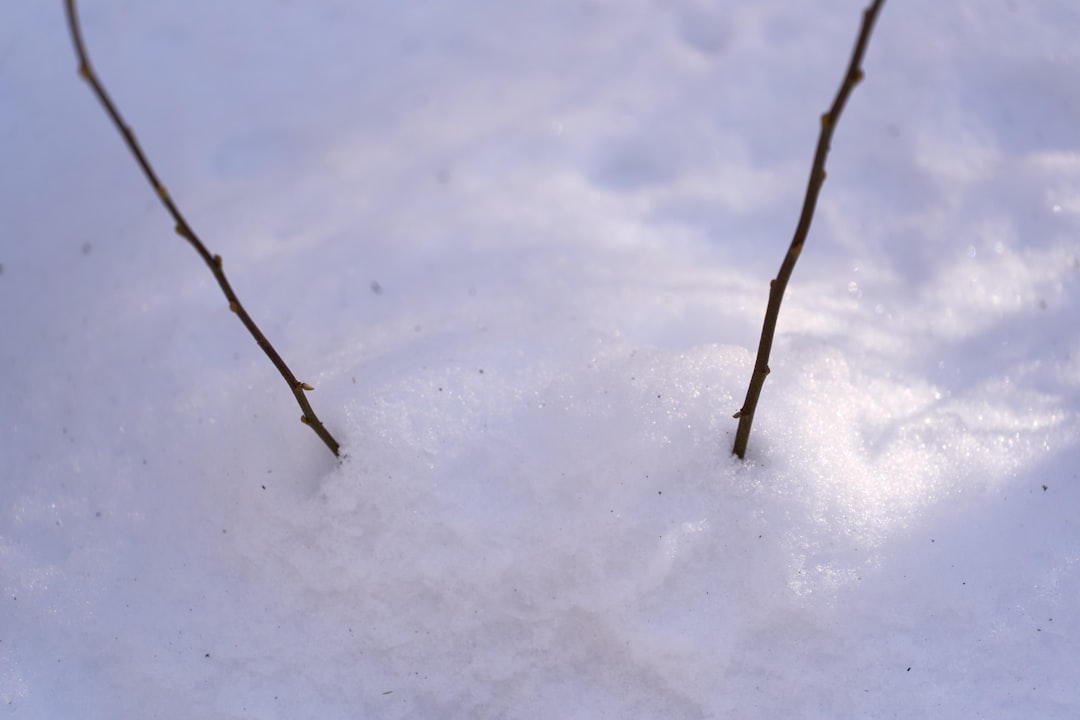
x=184 y=230
x=854 y=74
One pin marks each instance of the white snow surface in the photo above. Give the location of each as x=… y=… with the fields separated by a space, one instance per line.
x=523 y=250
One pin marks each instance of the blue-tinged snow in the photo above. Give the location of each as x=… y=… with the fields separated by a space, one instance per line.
x=522 y=250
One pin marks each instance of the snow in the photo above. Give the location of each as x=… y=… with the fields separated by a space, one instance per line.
x=522 y=250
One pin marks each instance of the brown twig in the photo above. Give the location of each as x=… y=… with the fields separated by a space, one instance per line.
x=854 y=74
x=183 y=229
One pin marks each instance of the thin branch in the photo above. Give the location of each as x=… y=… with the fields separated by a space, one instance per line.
x=183 y=229
x=817 y=177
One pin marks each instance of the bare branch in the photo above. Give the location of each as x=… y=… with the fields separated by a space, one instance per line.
x=854 y=74
x=183 y=229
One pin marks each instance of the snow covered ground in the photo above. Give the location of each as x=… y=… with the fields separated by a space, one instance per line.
x=523 y=250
